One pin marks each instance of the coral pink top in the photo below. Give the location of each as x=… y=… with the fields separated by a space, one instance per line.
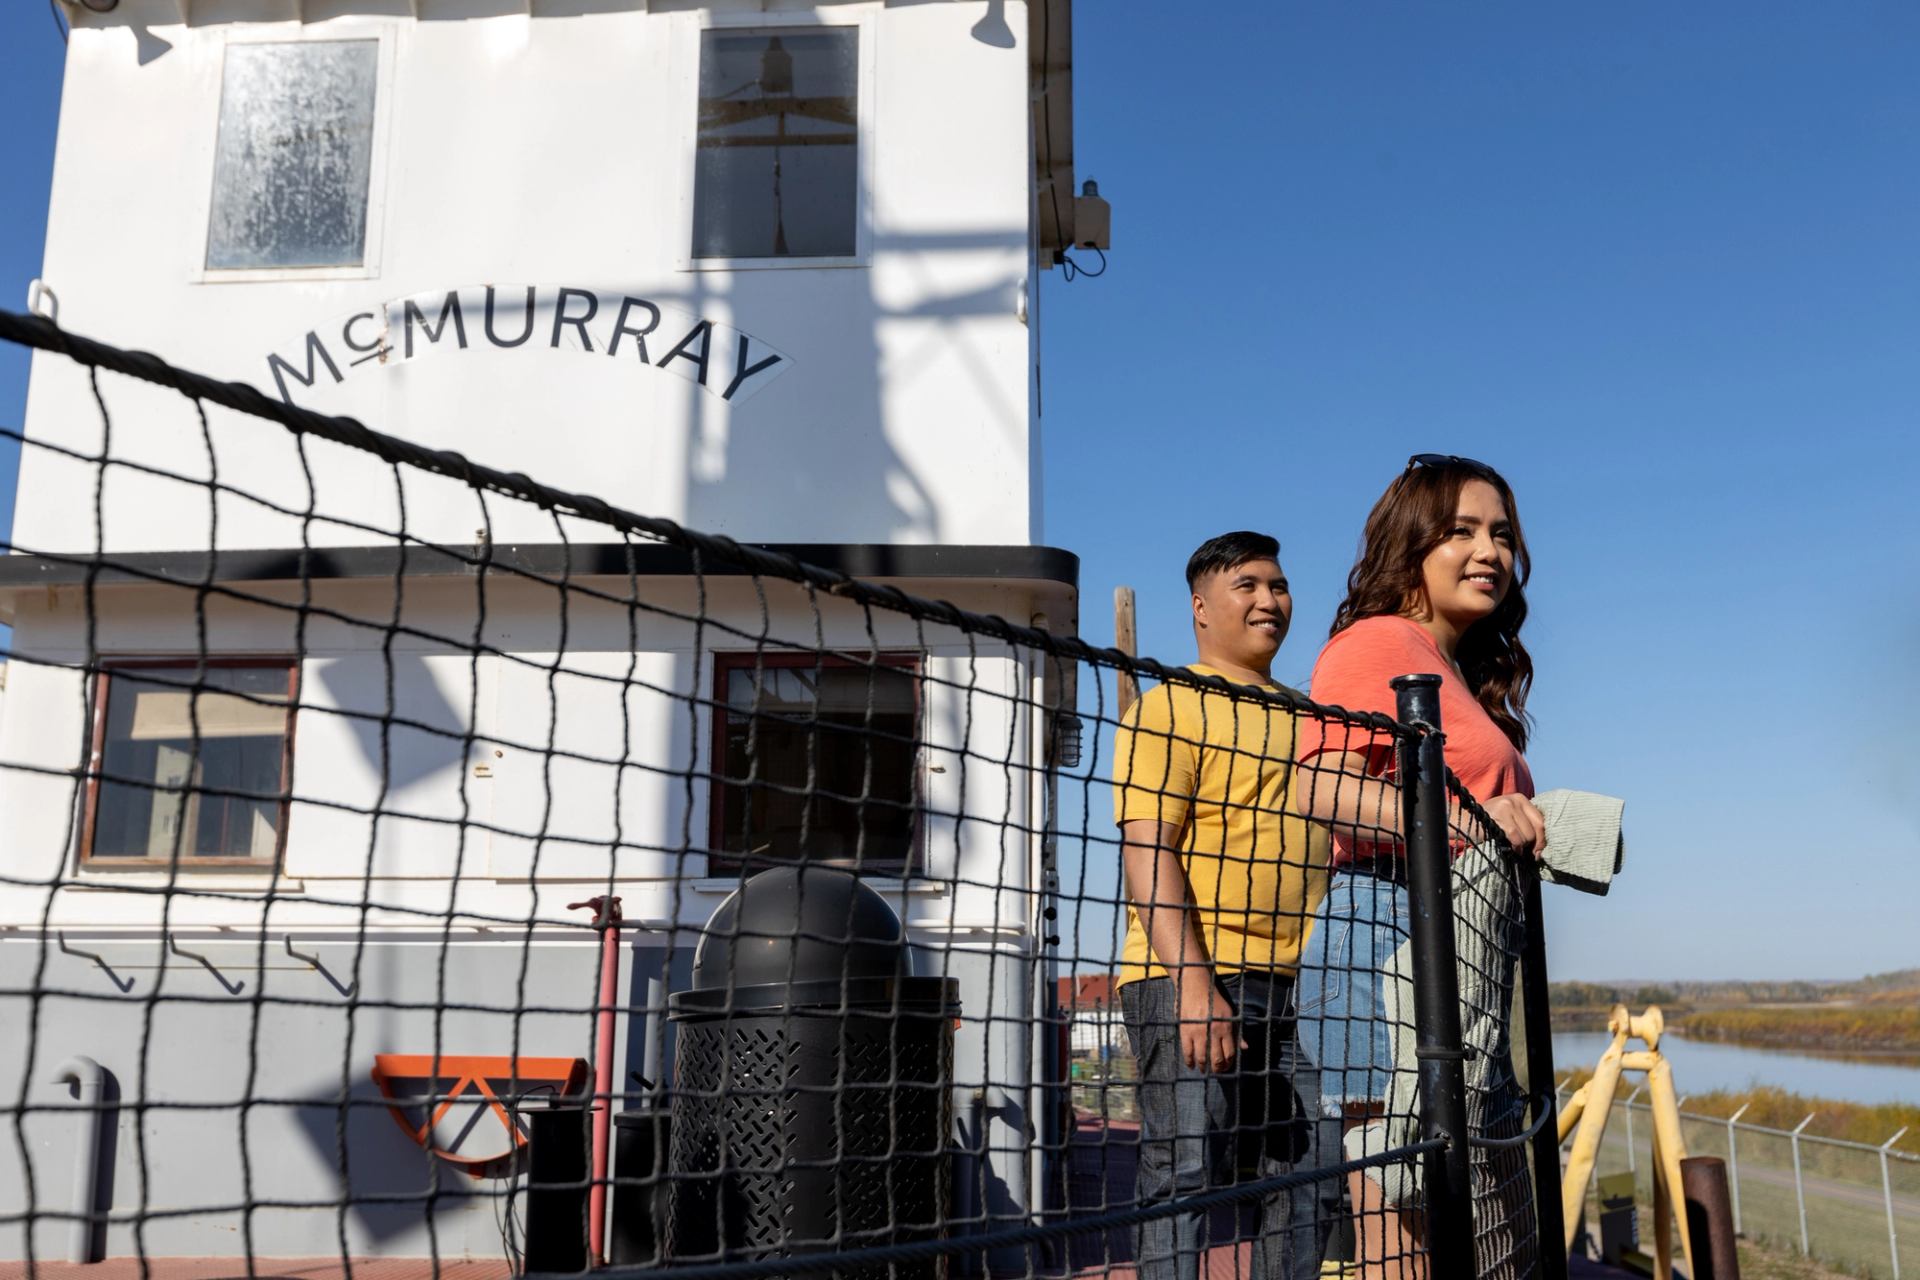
x=1354 y=671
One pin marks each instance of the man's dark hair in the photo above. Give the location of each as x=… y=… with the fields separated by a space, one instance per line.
x=1216 y=555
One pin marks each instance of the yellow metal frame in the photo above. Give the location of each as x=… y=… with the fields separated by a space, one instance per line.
x=1669 y=1207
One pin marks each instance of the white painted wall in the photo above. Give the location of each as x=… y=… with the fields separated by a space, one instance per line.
x=1095 y=1030
x=553 y=149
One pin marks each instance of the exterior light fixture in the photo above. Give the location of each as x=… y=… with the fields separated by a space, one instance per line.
x=1092 y=218
x=1067 y=730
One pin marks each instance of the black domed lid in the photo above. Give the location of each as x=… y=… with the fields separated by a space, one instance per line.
x=800 y=924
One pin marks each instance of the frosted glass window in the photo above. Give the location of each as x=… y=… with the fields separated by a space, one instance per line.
x=776 y=163
x=294 y=154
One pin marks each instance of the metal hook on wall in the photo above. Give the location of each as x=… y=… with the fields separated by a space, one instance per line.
x=42 y=301
x=233 y=988
x=122 y=985
x=321 y=969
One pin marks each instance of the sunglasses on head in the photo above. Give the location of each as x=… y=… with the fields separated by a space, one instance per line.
x=1452 y=460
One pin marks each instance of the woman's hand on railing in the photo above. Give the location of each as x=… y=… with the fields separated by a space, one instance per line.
x=1524 y=826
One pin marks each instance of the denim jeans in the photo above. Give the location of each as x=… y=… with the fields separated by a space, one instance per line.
x=1200 y=1131
x=1341 y=998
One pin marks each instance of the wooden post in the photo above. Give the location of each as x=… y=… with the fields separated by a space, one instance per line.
x=1125 y=642
x=1709 y=1219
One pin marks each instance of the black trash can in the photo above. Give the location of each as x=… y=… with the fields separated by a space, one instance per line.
x=634 y=1228
x=811 y=1101
x=556 y=1184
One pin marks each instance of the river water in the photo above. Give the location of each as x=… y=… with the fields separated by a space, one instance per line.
x=1702 y=1066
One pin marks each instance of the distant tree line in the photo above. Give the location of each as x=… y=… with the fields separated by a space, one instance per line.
x=1861 y=1028
x=1901 y=987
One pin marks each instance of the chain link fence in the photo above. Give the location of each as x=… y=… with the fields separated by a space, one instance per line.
x=1851 y=1206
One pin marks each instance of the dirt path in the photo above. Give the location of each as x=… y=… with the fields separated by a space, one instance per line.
x=1850 y=1192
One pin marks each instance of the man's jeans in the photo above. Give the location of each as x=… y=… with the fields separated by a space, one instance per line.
x=1200 y=1131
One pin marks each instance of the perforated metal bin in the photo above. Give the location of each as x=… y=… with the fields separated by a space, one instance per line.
x=812 y=1069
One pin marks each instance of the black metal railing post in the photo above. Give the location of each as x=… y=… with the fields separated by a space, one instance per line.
x=1539 y=1051
x=1436 y=984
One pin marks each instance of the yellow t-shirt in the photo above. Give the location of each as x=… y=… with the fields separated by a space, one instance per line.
x=1218 y=768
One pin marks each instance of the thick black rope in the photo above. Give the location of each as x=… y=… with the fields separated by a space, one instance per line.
x=920 y=1250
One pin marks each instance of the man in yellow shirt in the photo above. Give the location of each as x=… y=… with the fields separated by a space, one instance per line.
x=1220 y=882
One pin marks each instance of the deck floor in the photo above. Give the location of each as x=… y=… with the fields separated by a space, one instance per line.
x=1222 y=1264
x=263 y=1269
x=1100 y=1179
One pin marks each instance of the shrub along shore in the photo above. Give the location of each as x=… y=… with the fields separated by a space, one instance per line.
x=1857 y=1029
x=1871 y=1123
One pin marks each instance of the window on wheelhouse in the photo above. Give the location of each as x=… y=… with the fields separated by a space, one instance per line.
x=294 y=156
x=776 y=167
x=815 y=759
x=190 y=763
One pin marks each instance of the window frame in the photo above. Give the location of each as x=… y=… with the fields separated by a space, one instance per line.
x=686 y=82
x=190 y=863
x=384 y=34
x=724 y=863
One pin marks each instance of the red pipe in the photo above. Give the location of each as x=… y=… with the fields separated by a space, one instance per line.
x=606 y=918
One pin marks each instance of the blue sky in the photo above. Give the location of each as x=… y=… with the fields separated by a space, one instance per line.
x=1659 y=264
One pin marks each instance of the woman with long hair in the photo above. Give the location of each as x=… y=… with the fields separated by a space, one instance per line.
x=1438 y=587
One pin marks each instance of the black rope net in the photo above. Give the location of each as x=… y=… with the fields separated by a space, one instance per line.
x=628 y=896
x=1491 y=918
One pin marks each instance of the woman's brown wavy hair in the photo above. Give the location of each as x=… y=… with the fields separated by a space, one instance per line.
x=1414 y=516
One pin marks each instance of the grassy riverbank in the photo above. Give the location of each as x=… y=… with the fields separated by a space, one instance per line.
x=1758 y=1260
x=1858 y=1029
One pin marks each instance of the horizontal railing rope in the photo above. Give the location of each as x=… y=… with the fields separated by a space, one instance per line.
x=1014 y=1237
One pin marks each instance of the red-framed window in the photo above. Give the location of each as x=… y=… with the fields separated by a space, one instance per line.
x=815 y=758
x=190 y=761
